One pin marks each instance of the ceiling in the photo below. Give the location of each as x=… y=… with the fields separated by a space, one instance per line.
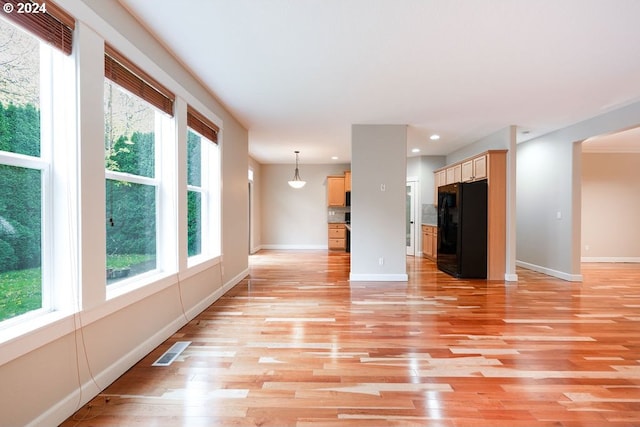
x=298 y=73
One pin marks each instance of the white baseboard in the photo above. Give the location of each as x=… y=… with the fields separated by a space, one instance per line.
x=378 y=277
x=215 y=295
x=610 y=259
x=510 y=277
x=87 y=391
x=550 y=272
x=295 y=247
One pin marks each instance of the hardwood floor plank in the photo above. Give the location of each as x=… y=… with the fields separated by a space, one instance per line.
x=297 y=344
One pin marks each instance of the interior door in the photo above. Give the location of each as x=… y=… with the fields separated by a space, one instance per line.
x=411 y=220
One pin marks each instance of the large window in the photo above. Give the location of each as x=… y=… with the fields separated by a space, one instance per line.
x=131 y=187
x=195 y=193
x=202 y=181
x=137 y=109
x=29 y=112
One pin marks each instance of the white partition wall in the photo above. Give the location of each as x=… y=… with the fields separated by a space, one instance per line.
x=378 y=192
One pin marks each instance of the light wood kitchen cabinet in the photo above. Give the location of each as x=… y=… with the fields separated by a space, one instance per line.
x=430 y=241
x=335 y=191
x=474 y=169
x=454 y=174
x=347 y=181
x=337 y=237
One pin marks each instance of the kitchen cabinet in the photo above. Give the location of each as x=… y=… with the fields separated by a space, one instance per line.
x=474 y=169
x=430 y=241
x=337 y=236
x=335 y=191
x=454 y=174
x=347 y=181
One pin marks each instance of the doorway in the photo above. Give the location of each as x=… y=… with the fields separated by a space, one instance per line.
x=412 y=216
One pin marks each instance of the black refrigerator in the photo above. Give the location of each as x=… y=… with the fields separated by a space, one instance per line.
x=462 y=229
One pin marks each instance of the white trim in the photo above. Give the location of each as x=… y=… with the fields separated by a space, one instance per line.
x=510 y=277
x=610 y=259
x=378 y=277
x=294 y=247
x=550 y=272
x=215 y=295
x=198 y=264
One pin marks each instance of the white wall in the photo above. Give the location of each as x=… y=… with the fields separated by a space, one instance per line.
x=48 y=373
x=610 y=207
x=549 y=172
x=296 y=218
x=378 y=218
x=427 y=181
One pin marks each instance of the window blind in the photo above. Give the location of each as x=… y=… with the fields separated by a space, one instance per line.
x=126 y=74
x=202 y=125
x=54 y=26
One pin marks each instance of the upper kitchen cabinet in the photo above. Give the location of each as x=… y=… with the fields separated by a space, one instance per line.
x=471 y=169
x=454 y=174
x=347 y=181
x=474 y=169
x=336 y=191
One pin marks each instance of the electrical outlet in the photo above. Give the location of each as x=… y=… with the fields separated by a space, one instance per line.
x=381 y=261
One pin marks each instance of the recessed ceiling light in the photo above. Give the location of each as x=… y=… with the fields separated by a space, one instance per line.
x=434 y=137
x=415 y=150
x=334 y=158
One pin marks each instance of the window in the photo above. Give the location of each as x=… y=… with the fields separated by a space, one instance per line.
x=132 y=187
x=194 y=193
x=31 y=73
x=137 y=110
x=202 y=179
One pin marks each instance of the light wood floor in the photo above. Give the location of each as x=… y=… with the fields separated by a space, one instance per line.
x=297 y=344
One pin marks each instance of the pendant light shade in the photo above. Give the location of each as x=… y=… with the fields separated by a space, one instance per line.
x=297 y=182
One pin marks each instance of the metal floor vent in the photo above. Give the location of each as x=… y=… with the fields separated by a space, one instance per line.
x=172 y=354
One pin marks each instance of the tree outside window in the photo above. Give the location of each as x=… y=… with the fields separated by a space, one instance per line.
x=131 y=186
x=21 y=171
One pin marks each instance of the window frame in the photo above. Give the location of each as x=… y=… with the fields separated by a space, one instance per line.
x=210 y=166
x=163 y=125
x=59 y=284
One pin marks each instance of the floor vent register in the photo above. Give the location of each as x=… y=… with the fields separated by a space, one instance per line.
x=172 y=354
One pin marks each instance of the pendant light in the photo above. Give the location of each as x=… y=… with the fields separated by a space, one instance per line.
x=297 y=182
